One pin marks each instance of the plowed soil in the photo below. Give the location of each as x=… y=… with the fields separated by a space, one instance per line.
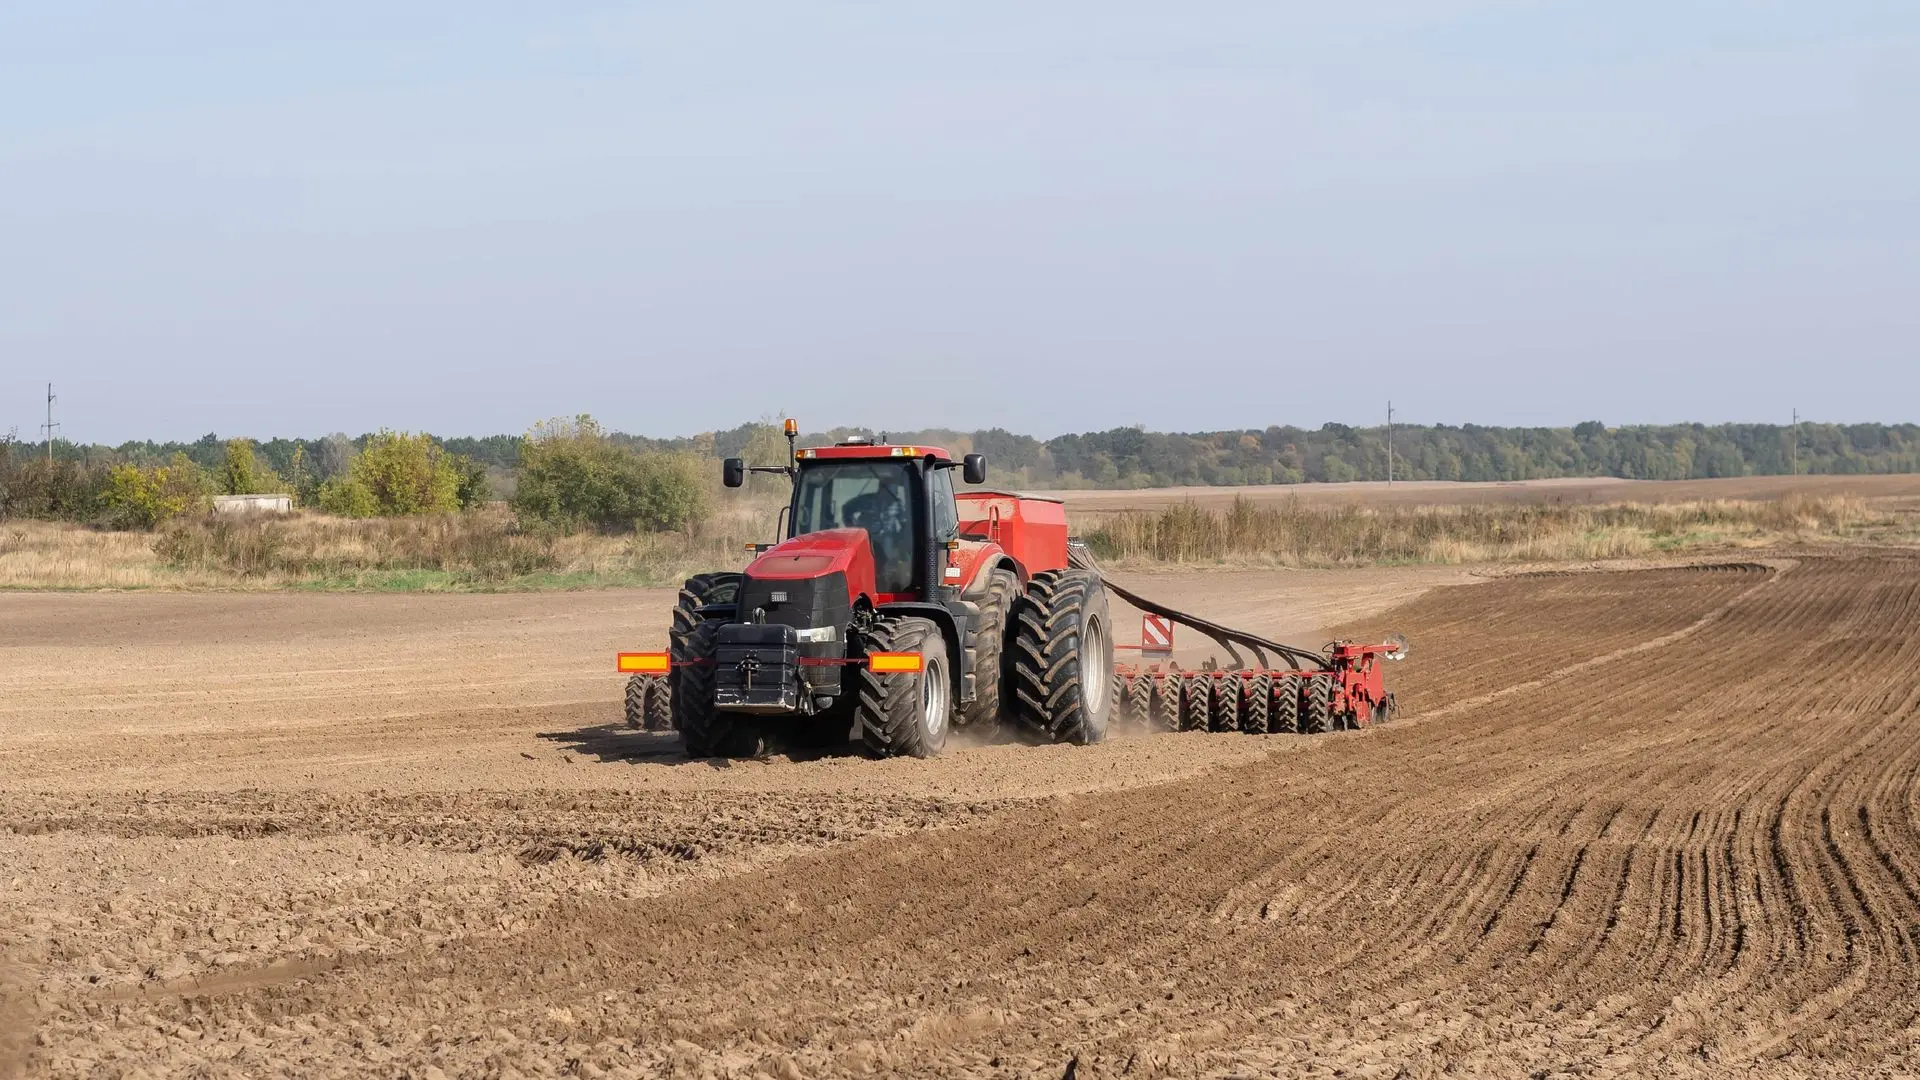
x=1637 y=822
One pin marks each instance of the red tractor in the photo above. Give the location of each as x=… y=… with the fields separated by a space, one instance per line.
x=895 y=609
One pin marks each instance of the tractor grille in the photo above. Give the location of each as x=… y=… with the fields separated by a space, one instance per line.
x=807 y=604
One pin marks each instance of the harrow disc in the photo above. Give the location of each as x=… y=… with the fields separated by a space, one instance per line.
x=1286 y=705
x=1226 y=703
x=1257 y=704
x=1316 y=705
x=1139 y=712
x=1166 y=703
x=1196 y=702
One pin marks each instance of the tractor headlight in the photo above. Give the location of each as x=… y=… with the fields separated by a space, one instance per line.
x=816 y=634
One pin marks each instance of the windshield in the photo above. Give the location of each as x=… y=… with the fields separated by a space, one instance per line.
x=873 y=495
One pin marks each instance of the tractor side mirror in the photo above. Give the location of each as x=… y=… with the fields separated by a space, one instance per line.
x=733 y=472
x=973 y=468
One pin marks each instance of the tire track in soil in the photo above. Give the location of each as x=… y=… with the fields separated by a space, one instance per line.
x=1595 y=867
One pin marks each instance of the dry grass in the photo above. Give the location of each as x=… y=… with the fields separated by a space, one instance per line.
x=485 y=550
x=1297 y=534
x=481 y=550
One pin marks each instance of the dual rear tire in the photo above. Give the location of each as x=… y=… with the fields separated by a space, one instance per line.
x=1061 y=657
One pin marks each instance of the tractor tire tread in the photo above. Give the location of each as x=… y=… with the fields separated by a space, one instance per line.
x=1049 y=665
x=989 y=655
x=887 y=708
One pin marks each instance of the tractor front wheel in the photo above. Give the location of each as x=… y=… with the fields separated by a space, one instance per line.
x=704 y=730
x=906 y=713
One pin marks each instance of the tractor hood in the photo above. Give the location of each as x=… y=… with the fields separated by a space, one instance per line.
x=830 y=551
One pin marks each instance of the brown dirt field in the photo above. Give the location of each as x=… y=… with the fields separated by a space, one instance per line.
x=1641 y=822
x=1576 y=491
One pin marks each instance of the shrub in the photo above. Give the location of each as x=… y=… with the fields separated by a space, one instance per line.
x=571 y=477
x=143 y=498
x=397 y=474
x=33 y=487
x=241 y=473
x=473 y=488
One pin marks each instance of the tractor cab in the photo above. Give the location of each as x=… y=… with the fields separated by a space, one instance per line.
x=900 y=497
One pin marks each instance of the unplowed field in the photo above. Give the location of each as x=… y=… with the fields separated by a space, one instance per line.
x=1643 y=822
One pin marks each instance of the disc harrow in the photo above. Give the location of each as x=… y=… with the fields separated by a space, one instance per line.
x=1338 y=688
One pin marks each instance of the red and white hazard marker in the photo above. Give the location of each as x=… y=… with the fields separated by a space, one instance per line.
x=1156 y=634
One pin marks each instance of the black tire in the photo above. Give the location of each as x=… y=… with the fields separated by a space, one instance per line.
x=1196 y=702
x=701 y=590
x=659 y=704
x=1166 y=703
x=1139 y=714
x=982 y=714
x=1254 y=714
x=906 y=714
x=1062 y=656
x=1226 y=703
x=704 y=730
x=1316 y=705
x=637 y=701
x=1285 y=717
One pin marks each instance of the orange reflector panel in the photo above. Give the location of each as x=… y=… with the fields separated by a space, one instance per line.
x=892 y=663
x=644 y=663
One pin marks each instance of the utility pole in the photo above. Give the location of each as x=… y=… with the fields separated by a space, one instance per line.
x=50 y=427
x=1389 y=442
x=1796 y=442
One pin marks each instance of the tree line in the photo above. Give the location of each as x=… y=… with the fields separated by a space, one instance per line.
x=574 y=473
x=1135 y=457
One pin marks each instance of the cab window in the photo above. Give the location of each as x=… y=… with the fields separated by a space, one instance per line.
x=873 y=495
x=946 y=516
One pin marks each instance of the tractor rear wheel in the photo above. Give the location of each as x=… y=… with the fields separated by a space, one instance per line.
x=989 y=654
x=1139 y=712
x=906 y=713
x=1226 y=703
x=1254 y=714
x=1316 y=706
x=1286 y=705
x=1063 y=656
x=637 y=701
x=1196 y=702
x=704 y=730
x=1166 y=703
x=702 y=590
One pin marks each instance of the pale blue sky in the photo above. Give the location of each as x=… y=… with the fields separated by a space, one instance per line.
x=276 y=218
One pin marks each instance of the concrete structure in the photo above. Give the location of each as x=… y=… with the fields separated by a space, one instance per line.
x=253 y=504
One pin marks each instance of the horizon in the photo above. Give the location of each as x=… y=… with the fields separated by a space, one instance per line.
x=1052 y=220
x=806 y=432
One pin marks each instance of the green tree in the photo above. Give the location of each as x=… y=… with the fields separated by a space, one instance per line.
x=242 y=472
x=572 y=477
x=137 y=497
x=395 y=475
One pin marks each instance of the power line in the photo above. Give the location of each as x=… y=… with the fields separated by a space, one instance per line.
x=1389 y=442
x=50 y=427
